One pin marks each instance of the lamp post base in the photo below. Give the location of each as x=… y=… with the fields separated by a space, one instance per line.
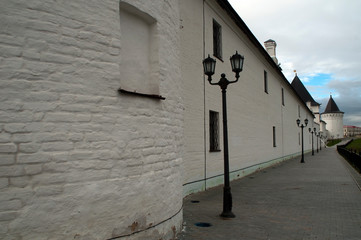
x=227 y=215
x=227 y=203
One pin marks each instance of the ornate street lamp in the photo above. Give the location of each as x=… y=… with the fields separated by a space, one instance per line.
x=317 y=135
x=312 y=131
x=209 y=65
x=302 y=126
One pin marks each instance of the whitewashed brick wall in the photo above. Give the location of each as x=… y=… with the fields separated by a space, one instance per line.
x=252 y=113
x=77 y=159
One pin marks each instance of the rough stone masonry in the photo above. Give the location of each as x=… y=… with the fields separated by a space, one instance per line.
x=78 y=160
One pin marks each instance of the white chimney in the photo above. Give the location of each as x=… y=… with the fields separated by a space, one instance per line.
x=270 y=46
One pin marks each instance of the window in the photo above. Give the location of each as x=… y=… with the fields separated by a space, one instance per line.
x=217 y=40
x=283 y=97
x=299 y=139
x=213 y=131
x=274 y=136
x=265 y=79
x=299 y=111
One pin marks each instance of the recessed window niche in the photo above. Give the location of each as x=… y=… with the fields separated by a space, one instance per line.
x=139 y=63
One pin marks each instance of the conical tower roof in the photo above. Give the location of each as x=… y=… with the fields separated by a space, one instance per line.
x=302 y=91
x=332 y=107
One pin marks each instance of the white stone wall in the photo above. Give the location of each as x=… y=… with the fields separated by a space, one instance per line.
x=316 y=112
x=323 y=128
x=334 y=124
x=252 y=113
x=78 y=160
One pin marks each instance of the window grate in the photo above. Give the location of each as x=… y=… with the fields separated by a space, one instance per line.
x=214 y=131
x=265 y=81
x=217 y=40
x=274 y=137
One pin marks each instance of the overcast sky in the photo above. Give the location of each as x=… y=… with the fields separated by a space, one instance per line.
x=321 y=39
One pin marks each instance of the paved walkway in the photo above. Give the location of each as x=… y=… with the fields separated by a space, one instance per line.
x=319 y=199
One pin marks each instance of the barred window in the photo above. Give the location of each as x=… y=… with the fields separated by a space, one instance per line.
x=299 y=111
x=274 y=137
x=265 y=81
x=213 y=131
x=299 y=139
x=217 y=40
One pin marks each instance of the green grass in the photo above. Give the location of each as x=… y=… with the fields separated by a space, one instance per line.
x=332 y=142
x=355 y=145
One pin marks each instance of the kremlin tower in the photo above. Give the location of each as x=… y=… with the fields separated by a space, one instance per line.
x=334 y=119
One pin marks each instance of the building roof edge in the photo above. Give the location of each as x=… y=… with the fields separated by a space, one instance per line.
x=242 y=25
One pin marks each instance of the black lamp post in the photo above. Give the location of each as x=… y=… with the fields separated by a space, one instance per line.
x=321 y=141
x=302 y=126
x=317 y=135
x=312 y=131
x=209 y=65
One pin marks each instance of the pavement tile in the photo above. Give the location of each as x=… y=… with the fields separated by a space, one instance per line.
x=318 y=199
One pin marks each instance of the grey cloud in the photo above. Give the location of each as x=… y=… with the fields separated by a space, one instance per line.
x=348 y=99
x=314 y=37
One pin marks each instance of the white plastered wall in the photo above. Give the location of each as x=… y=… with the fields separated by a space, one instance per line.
x=252 y=113
x=334 y=124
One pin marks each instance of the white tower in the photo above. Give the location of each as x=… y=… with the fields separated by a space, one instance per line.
x=334 y=119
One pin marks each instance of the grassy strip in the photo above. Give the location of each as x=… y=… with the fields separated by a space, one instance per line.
x=330 y=143
x=355 y=145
